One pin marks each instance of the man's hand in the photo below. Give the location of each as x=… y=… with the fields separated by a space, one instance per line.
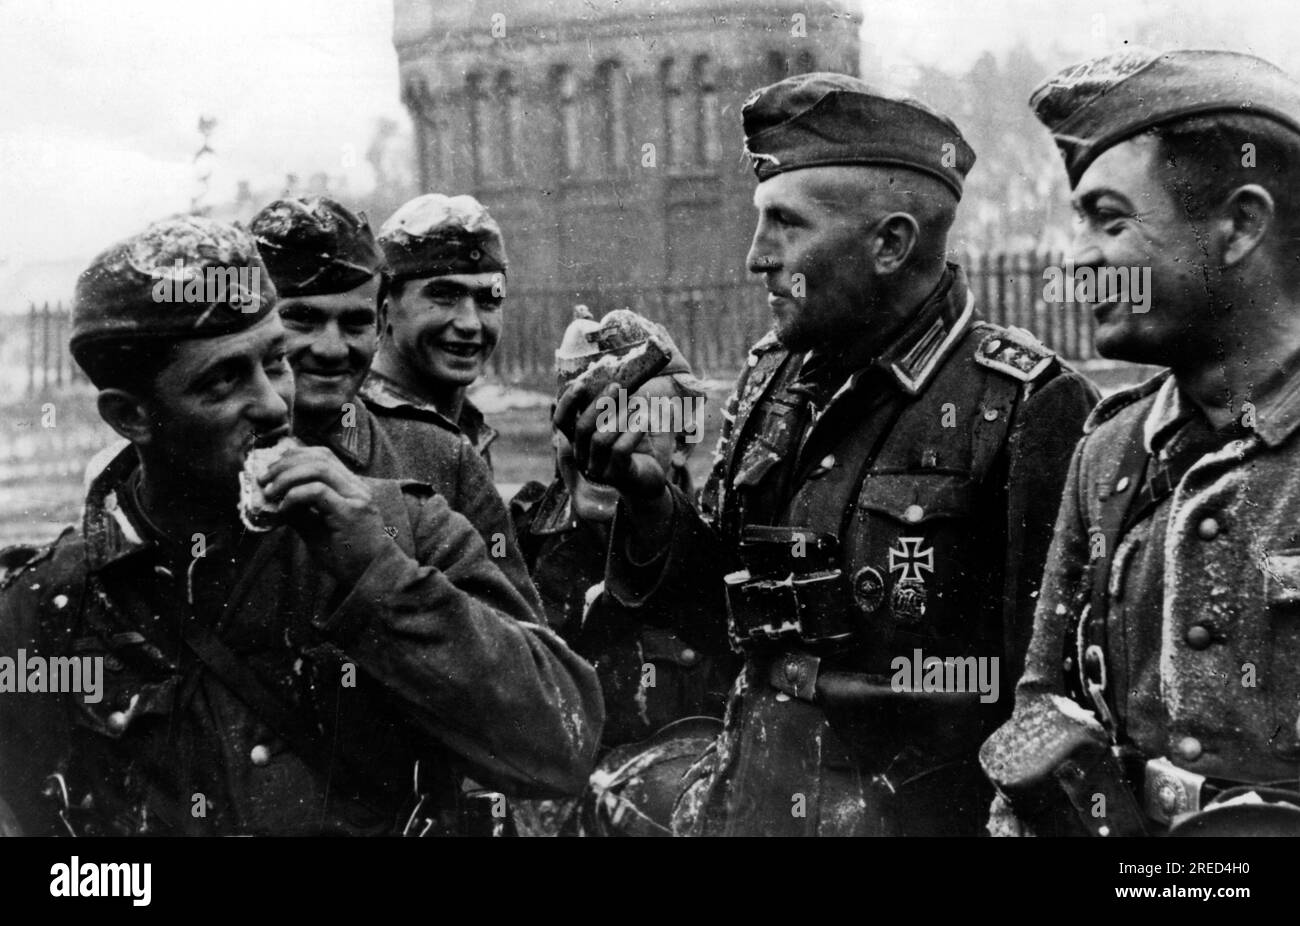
x=330 y=507
x=608 y=454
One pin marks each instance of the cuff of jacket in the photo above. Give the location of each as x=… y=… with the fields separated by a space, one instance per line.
x=631 y=583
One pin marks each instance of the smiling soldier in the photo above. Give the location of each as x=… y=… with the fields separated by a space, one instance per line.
x=328 y=274
x=282 y=680
x=440 y=318
x=886 y=481
x=1171 y=591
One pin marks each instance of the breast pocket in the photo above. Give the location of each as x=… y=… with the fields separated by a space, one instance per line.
x=915 y=557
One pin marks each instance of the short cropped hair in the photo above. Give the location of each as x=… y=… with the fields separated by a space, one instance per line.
x=1205 y=158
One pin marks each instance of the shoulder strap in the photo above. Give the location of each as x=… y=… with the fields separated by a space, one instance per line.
x=236 y=676
x=1133 y=497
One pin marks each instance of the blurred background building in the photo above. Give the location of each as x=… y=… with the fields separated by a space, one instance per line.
x=607 y=143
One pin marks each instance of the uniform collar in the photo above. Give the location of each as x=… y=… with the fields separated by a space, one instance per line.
x=351 y=444
x=387 y=393
x=911 y=358
x=110 y=535
x=1169 y=412
x=1277 y=414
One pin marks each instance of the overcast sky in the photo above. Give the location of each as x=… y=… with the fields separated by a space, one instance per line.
x=101 y=99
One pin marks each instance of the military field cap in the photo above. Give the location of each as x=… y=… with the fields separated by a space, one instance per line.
x=315 y=247
x=1096 y=105
x=181 y=278
x=821 y=119
x=586 y=341
x=436 y=235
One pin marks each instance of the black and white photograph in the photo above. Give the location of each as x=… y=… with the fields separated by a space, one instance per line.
x=652 y=418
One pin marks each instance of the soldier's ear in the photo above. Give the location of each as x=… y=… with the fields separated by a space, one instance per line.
x=1244 y=221
x=893 y=243
x=126 y=413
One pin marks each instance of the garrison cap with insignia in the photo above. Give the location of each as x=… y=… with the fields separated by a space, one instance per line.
x=436 y=235
x=822 y=119
x=1096 y=105
x=315 y=246
x=183 y=277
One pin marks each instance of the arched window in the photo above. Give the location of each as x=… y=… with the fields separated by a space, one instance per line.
x=416 y=96
x=611 y=84
x=481 y=142
x=566 y=90
x=707 y=142
x=675 y=150
x=512 y=122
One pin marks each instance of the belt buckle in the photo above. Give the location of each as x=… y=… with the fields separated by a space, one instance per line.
x=1170 y=792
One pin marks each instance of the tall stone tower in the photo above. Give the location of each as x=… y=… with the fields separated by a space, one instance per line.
x=604 y=135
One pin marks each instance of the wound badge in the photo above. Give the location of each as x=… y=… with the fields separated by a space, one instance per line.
x=908 y=600
x=868 y=588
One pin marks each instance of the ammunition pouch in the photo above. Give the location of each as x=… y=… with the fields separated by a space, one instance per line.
x=1052 y=750
x=805 y=608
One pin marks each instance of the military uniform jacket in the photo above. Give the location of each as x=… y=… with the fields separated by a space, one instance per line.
x=431 y=655
x=386 y=397
x=396 y=443
x=1203 y=617
x=934 y=469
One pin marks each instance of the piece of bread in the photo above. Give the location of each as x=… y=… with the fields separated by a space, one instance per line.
x=631 y=371
x=255 y=511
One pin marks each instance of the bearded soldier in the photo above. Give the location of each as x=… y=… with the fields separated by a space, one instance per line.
x=884 y=488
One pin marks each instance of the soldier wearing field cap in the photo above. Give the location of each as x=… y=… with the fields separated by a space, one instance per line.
x=328 y=271
x=1161 y=676
x=274 y=676
x=884 y=487
x=441 y=314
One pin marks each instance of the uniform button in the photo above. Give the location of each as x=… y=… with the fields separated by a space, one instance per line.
x=1198 y=636
x=261 y=755
x=688 y=656
x=118 y=721
x=1208 y=529
x=913 y=513
x=990 y=414
x=1122 y=484
x=828 y=461
x=1189 y=747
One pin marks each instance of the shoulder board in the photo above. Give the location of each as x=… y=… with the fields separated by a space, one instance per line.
x=1013 y=352
x=19 y=558
x=1113 y=404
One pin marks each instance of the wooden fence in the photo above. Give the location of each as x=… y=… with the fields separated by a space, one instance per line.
x=714 y=324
